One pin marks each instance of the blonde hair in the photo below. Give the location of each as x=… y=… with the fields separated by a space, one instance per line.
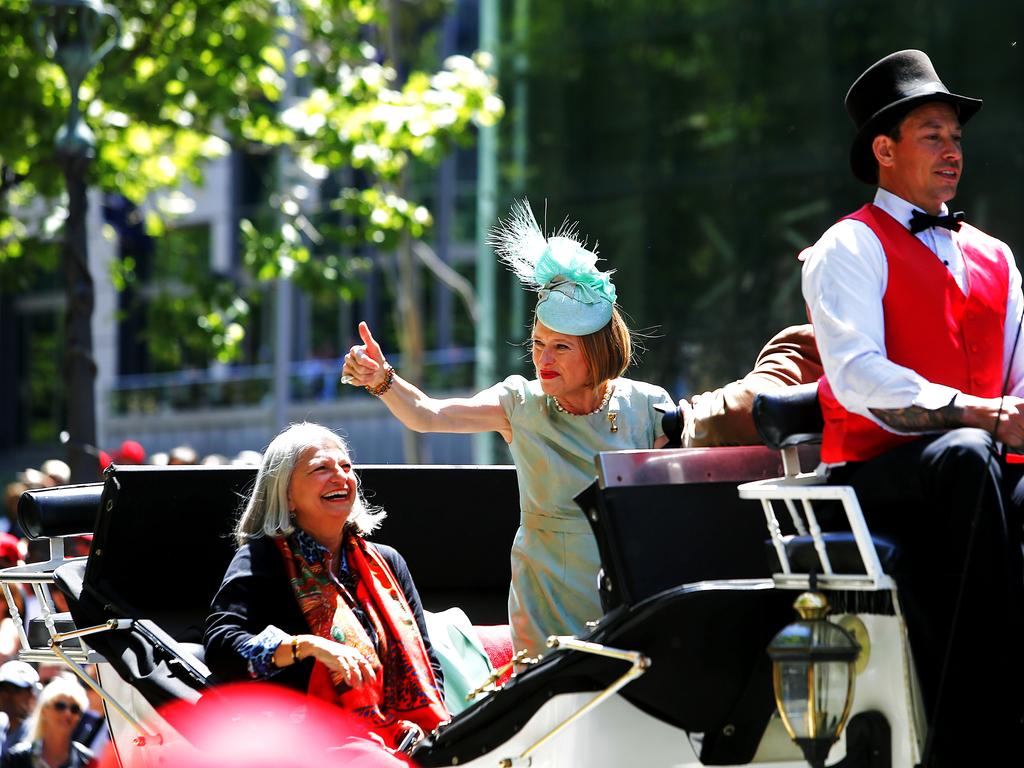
x=58 y=686
x=266 y=511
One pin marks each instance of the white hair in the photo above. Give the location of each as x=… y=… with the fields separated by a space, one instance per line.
x=266 y=512
x=59 y=686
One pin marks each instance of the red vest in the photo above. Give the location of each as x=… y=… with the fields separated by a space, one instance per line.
x=930 y=327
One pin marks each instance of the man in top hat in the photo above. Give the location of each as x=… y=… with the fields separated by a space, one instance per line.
x=916 y=314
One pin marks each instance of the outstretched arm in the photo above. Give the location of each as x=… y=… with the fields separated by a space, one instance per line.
x=365 y=366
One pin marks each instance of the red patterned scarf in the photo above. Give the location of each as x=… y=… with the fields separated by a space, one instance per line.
x=404 y=687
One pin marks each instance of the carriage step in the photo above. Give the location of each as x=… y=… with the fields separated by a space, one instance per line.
x=39 y=636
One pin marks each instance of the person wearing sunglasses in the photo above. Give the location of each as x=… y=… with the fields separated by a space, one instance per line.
x=49 y=743
x=577 y=405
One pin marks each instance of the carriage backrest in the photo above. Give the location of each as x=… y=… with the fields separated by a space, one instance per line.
x=163 y=536
x=671 y=517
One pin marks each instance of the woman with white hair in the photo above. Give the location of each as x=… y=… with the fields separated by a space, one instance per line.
x=308 y=603
x=49 y=744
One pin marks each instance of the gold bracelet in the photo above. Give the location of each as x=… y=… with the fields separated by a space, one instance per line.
x=389 y=378
x=295 y=650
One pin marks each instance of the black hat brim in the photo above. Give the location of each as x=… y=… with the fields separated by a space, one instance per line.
x=862 y=157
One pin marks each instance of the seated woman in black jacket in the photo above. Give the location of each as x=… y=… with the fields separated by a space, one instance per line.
x=308 y=603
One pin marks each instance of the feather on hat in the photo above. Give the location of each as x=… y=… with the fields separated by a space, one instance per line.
x=574 y=296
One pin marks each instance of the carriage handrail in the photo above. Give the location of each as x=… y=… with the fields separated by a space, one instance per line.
x=639 y=663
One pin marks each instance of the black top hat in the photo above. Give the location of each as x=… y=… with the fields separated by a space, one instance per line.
x=887 y=91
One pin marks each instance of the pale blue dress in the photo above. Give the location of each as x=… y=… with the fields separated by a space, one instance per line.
x=554 y=557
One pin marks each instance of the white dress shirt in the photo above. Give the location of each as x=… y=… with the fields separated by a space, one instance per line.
x=844 y=279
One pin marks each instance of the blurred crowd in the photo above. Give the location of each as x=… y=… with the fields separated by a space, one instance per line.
x=17 y=549
x=44 y=708
x=132 y=452
x=54 y=472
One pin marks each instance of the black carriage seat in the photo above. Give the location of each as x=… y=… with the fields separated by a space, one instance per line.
x=715 y=680
x=785 y=419
x=789 y=416
x=163 y=541
x=680 y=549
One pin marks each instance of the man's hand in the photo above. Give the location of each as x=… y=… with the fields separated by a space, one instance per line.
x=986 y=414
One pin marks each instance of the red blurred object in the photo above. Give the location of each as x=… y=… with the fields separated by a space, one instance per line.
x=130 y=452
x=10 y=551
x=105 y=460
x=257 y=725
x=497 y=642
x=77 y=546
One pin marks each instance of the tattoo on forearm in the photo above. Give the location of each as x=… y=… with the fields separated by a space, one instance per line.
x=918 y=419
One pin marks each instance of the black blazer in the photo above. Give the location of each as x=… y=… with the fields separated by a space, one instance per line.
x=256 y=593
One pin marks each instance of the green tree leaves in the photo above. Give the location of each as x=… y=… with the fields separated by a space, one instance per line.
x=191 y=80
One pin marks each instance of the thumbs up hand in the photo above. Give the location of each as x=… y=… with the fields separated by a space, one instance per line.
x=364 y=365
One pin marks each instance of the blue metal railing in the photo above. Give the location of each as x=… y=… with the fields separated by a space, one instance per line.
x=251 y=385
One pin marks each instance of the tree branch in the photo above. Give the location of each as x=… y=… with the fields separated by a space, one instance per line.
x=443 y=272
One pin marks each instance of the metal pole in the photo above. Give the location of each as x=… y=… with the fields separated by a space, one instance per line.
x=283 y=289
x=486 y=211
x=282 y=353
x=517 y=300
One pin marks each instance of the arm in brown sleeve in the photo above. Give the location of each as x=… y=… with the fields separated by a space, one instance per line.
x=723 y=417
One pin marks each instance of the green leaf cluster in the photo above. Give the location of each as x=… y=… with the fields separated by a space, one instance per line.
x=192 y=79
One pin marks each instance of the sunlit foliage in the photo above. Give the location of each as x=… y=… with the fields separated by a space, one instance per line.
x=192 y=79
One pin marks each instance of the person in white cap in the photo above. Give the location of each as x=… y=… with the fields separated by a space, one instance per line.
x=19 y=689
x=578 y=405
x=56 y=470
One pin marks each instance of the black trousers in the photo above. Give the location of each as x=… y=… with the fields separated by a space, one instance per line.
x=948 y=502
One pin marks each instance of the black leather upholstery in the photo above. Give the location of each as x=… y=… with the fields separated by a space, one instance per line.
x=39 y=636
x=66 y=510
x=788 y=416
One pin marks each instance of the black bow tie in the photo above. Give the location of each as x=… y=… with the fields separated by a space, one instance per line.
x=919 y=222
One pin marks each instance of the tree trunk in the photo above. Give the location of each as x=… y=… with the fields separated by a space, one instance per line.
x=410 y=335
x=79 y=364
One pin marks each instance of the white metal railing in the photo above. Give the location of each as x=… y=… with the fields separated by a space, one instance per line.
x=797 y=491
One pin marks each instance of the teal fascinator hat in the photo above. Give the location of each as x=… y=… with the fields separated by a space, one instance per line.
x=574 y=296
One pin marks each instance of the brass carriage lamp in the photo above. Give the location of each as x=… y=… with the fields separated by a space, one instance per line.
x=813 y=674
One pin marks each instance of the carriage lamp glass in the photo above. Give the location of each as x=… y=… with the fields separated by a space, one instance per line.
x=813 y=675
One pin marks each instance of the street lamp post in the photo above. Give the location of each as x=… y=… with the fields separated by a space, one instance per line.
x=68 y=31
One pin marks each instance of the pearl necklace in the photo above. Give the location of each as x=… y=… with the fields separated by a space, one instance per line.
x=609 y=388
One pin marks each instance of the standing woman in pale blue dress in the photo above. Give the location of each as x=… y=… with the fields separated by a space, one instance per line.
x=577 y=406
